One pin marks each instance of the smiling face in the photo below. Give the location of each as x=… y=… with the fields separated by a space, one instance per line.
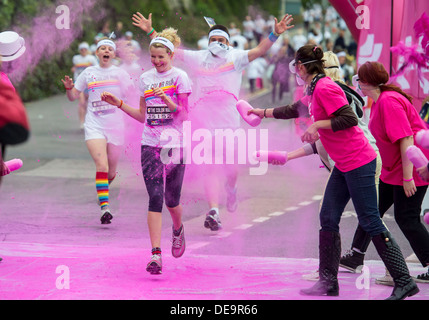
x=160 y=59
x=105 y=55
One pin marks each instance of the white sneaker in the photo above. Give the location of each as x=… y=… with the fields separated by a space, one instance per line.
x=386 y=280
x=178 y=246
x=154 y=266
x=311 y=276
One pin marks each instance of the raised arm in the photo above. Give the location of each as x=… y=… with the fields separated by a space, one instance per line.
x=266 y=44
x=144 y=23
x=72 y=92
x=138 y=114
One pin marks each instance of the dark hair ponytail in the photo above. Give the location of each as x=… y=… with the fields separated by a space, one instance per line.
x=308 y=53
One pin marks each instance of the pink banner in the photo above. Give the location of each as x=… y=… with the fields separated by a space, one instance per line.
x=387 y=28
x=347 y=11
x=410 y=82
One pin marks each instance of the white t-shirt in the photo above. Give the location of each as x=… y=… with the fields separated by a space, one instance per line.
x=80 y=63
x=97 y=80
x=158 y=116
x=257 y=68
x=217 y=83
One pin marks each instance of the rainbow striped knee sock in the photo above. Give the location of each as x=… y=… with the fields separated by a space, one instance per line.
x=102 y=185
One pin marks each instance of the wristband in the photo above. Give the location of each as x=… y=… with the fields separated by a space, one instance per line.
x=120 y=106
x=272 y=37
x=175 y=109
x=408 y=180
x=69 y=88
x=152 y=31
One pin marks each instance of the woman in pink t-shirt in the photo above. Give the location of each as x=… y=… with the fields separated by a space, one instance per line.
x=353 y=176
x=394 y=122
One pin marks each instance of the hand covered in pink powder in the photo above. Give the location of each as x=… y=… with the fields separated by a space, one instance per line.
x=257 y=111
x=4 y=170
x=310 y=135
x=159 y=93
x=140 y=21
x=423 y=173
x=283 y=25
x=110 y=99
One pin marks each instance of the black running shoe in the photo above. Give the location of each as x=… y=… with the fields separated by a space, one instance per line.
x=212 y=221
x=422 y=278
x=106 y=218
x=352 y=261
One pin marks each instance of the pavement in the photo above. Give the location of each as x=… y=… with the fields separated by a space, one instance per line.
x=54 y=247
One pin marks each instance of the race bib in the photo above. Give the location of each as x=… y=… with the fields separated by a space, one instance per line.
x=158 y=116
x=101 y=108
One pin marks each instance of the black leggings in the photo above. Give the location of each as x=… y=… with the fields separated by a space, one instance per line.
x=153 y=173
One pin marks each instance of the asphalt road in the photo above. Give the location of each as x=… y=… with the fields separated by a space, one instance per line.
x=48 y=210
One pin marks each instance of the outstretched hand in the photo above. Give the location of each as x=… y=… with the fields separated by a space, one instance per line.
x=257 y=111
x=4 y=170
x=110 y=98
x=283 y=25
x=68 y=82
x=140 y=21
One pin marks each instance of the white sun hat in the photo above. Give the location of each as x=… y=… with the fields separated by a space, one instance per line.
x=12 y=46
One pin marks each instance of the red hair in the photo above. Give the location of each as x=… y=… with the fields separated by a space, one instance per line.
x=375 y=74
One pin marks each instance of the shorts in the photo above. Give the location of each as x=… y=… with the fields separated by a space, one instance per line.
x=114 y=136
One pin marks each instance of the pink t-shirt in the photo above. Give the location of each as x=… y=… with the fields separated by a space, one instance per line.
x=5 y=78
x=348 y=148
x=392 y=118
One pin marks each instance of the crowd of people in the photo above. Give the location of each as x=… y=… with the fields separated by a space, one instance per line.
x=367 y=161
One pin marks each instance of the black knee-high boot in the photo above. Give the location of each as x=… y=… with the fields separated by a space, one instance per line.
x=329 y=259
x=394 y=261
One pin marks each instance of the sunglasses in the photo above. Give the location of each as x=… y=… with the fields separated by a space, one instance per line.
x=293 y=63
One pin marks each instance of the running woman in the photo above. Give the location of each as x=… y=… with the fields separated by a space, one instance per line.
x=218 y=73
x=104 y=126
x=82 y=61
x=164 y=92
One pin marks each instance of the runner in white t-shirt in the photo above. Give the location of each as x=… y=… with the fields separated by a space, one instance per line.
x=164 y=92
x=82 y=61
x=217 y=73
x=104 y=127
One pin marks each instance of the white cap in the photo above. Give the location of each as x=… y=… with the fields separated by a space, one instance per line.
x=129 y=34
x=12 y=46
x=341 y=54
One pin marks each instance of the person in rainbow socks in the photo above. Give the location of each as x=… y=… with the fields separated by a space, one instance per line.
x=164 y=92
x=104 y=126
x=217 y=74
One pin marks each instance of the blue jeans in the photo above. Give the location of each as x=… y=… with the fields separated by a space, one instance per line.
x=359 y=185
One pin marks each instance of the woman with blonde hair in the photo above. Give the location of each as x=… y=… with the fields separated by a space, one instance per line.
x=164 y=92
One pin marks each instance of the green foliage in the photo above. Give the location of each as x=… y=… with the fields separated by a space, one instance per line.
x=185 y=15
